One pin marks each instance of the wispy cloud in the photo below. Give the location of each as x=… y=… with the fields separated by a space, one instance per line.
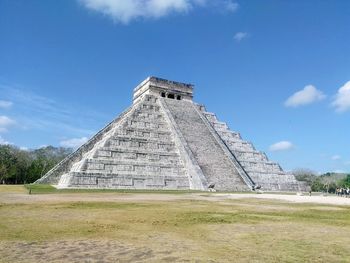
x=4 y=104
x=281 y=146
x=239 y=36
x=3 y=141
x=74 y=142
x=306 y=96
x=341 y=101
x=5 y=123
x=23 y=148
x=336 y=157
x=126 y=11
x=230 y=6
x=38 y=112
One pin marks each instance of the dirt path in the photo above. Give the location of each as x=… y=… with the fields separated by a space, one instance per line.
x=332 y=200
x=8 y=197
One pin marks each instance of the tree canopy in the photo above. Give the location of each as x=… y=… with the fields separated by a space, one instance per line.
x=19 y=166
x=327 y=182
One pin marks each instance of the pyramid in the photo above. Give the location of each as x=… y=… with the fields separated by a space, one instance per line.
x=167 y=141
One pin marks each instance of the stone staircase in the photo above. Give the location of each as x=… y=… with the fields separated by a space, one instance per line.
x=263 y=172
x=216 y=166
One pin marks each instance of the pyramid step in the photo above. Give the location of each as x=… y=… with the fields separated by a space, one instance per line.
x=254 y=169
x=229 y=135
x=115 y=149
x=211 y=117
x=126 y=181
x=144 y=124
x=109 y=151
x=141 y=144
x=134 y=130
x=135 y=169
x=239 y=146
x=254 y=174
x=137 y=119
x=161 y=138
x=253 y=156
x=99 y=164
x=220 y=126
x=152 y=161
x=261 y=163
x=146 y=106
x=145 y=116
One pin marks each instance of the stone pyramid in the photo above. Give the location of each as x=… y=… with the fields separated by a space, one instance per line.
x=166 y=141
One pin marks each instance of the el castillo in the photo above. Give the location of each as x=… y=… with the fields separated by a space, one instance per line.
x=185 y=131
x=167 y=141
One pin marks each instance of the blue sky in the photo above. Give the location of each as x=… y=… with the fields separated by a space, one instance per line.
x=276 y=71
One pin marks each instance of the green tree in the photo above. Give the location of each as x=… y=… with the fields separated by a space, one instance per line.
x=345 y=182
x=18 y=166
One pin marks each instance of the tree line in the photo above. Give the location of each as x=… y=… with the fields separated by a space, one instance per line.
x=327 y=182
x=22 y=167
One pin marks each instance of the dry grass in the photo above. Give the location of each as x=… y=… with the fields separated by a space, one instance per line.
x=12 y=189
x=246 y=230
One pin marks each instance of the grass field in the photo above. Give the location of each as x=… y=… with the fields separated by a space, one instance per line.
x=54 y=229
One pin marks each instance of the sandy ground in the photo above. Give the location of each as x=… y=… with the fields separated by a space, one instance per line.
x=149 y=197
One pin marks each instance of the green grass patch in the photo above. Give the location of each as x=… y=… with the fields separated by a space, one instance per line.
x=48 y=189
x=40 y=188
x=244 y=230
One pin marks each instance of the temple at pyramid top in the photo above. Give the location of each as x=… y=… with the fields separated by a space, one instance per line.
x=164 y=140
x=164 y=88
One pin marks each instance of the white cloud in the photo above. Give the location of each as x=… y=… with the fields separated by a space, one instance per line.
x=3 y=141
x=231 y=6
x=239 y=36
x=42 y=146
x=336 y=157
x=305 y=96
x=23 y=148
x=74 y=143
x=5 y=104
x=341 y=101
x=124 y=11
x=41 y=113
x=5 y=123
x=281 y=146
